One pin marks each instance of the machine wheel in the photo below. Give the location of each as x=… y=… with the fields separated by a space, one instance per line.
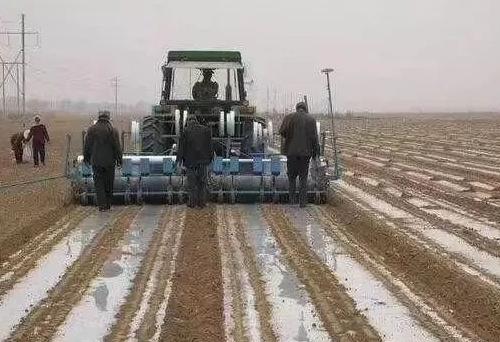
x=317 y=198
x=151 y=133
x=126 y=198
x=84 y=200
x=140 y=197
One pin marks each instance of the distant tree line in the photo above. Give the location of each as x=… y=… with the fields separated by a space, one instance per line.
x=76 y=107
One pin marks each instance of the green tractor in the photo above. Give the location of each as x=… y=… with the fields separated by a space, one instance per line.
x=246 y=168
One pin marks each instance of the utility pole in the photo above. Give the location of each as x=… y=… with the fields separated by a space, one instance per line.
x=115 y=85
x=267 y=100
x=9 y=66
x=327 y=71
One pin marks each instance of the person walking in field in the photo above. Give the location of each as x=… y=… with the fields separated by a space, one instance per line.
x=102 y=150
x=299 y=144
x=40 y=136
x=195 y=153
x=17 y=141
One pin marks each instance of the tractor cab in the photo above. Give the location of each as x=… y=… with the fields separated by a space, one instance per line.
x=209 y=85
x=204 y=82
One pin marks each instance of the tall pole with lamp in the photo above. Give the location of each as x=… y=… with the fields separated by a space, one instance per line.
x=327 y=72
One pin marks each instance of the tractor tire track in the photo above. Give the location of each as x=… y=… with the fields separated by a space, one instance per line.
x=43 y=321
x=337 y=310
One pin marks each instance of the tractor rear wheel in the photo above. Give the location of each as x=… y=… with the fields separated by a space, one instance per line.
x=151 y=132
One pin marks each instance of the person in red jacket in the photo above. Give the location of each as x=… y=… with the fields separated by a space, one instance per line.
x=39 y=134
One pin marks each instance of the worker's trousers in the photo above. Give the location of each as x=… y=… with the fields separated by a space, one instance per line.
x=104 y=178
x=18 y=153
x=197 y=185
x=298 y=166
x=38 y=154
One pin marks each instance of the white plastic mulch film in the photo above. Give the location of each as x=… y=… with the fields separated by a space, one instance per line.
x=135 y=137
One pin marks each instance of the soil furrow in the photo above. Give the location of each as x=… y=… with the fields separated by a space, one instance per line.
x=27 y=258
x=339 y=315
x=484 y=209
x=16 y=239
x=148 y=327
x=262 y=305
x=469 y=235
x=120 y=330
x=423 y=313
x=195 y=310
x=238 y=331
x=465 y=301
x=43 y=321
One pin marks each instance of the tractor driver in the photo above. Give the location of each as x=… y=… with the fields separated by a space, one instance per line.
x=207 y=89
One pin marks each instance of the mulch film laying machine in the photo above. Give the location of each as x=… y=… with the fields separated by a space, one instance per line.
x=246 y=167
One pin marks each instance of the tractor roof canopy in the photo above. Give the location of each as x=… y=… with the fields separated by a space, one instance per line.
x=204 y=59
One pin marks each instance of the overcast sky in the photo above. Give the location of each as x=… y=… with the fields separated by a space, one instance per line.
x=389 y=55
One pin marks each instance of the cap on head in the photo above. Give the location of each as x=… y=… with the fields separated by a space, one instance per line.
x=301 y=105
x=104 y=114
x=191 y=120
x=207 y=72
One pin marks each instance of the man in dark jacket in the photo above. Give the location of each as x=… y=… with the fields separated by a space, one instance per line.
x=39 y=134
x=300 y=144
x=195 y=153
x=102 y=150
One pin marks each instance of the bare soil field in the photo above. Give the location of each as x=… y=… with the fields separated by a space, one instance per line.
x=407 y=249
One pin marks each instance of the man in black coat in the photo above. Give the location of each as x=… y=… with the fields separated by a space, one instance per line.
x=195 y=153
x=102 y=150
x=300 y=144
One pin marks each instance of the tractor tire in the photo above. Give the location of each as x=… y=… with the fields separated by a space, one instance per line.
x=151 y=136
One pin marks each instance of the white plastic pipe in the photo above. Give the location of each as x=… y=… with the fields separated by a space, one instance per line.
x=270 y=131
x=255 y=134
x=318 y=129
x=221 y=124
x=184 y=118
x=177 y=119
x=230 y=123
x=135 y=136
